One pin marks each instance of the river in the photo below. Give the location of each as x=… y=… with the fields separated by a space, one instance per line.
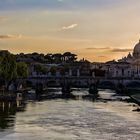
x=70 y=119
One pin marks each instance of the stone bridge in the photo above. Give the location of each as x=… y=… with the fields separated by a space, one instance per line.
x=82 y=81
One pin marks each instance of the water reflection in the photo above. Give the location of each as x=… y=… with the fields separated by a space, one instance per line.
x=70 y=119
x=8 y=112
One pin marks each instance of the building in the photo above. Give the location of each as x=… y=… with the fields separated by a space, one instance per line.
x=127 y=67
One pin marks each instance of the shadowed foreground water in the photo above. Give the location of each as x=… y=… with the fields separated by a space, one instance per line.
x=74 y=120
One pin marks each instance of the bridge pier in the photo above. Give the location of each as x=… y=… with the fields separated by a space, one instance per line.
x=93 y=89
x=39 y=90
x=66 y=89
x=120 y=89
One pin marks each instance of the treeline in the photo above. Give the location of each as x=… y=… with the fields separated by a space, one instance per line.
x=10 y=69
x=16 y=66
x=56 y=58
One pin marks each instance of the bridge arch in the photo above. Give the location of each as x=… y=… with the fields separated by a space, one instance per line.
x=52 y=83
x=106 y=85
x=75 y=83
x=133 y=84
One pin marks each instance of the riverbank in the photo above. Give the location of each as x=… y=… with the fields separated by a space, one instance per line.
x=7 y=96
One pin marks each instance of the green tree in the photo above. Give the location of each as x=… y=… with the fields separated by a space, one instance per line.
x=53 y=70
x=69 y=57
x=8 y=67
x=22 y=70
x=48 y=58
x=41 y=69
x=57 y=58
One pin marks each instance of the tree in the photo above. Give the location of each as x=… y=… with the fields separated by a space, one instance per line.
x=8 y=67
x=41 y=69
x=48 y=58
x=57 y=58
x=69 y=57
x=22 y=70
x=53 y=70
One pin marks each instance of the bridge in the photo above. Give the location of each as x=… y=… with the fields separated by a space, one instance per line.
x=82 y=81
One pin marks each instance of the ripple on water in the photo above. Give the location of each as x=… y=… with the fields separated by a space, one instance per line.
x=76 y=120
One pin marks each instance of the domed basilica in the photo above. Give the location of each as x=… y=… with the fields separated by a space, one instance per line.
x=127 y=66
x=134 y=57
x=136 y=52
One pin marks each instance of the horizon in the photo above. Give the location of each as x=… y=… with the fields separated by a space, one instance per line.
x=98 y=31
x=78 y=59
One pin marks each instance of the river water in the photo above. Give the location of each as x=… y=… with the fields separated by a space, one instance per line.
x=70 y=119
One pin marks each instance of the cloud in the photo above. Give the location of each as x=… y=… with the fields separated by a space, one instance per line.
x=2 y=18
x=121 y=50
x=10 y=36
x=69 y=27
x=95 y=48
x=117 y=50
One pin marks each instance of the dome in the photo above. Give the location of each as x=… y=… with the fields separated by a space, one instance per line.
x=136 y=52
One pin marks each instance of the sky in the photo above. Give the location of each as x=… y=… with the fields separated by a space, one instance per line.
x=97 y=30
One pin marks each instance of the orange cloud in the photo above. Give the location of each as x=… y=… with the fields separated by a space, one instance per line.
x=121 y=50
x=102 y=48
x=109 y=49
x=10 y=36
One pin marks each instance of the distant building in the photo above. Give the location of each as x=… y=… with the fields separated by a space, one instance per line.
x=134 y=60
x=126 y=67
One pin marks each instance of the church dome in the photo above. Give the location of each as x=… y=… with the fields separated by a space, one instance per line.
x=136 y=52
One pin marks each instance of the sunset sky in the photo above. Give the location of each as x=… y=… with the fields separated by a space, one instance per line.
x=98 y=30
